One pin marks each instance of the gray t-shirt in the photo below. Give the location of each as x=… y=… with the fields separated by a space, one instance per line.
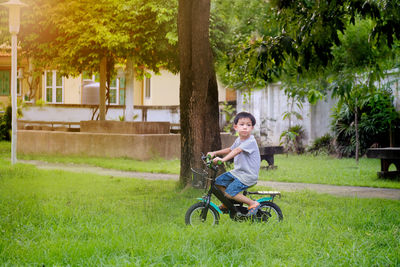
x=247 y=163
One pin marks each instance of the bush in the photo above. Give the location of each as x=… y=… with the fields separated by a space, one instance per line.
x=5 y=125
x=376 y=119
x=292 y=139
x=322 y=145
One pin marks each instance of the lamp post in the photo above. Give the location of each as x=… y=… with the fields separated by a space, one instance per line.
x=14 y=7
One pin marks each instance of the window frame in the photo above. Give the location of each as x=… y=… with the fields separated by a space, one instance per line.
x=147 y=88
x=54 y=87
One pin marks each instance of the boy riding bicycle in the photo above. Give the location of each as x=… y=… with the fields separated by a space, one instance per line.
x=247 y=161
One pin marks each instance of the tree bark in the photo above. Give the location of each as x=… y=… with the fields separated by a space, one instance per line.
x=102 y=98
x=198 y=87
x=357 y=133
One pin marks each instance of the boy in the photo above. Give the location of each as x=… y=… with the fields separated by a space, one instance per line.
x=246 y=161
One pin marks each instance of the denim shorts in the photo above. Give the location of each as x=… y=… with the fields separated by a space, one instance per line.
x=231 y=183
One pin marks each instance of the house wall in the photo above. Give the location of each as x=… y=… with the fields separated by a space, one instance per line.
x=164 y=89
x=77 y=113
x=138 y=92
x=72 y=90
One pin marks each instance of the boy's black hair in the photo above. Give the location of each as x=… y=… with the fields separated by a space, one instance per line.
x=242 y=115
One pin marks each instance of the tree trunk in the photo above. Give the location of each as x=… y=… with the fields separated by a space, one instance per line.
x=198 y=87
x=102 y=98
x=356 y=128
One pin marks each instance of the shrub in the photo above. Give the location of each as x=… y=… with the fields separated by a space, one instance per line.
x=322 y=145
x=376 y=118
x=5 y=125
x=292 y=139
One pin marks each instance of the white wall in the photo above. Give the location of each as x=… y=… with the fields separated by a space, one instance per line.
x=79 y=113
x=268 y=107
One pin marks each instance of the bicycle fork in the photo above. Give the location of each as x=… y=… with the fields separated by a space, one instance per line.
x=204 y=212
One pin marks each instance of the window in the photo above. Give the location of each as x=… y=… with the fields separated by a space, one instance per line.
x=5 y=82
x=147 y=88
x=114 y=92
x=54 y=83
x=122 y=91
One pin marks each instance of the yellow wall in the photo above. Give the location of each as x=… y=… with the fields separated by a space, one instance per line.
x=72 y=90
x=164 y=90
x=138 y=92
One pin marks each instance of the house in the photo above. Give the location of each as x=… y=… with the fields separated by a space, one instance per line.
x=77 y=96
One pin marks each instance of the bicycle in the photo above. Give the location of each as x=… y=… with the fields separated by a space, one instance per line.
x=207 y=211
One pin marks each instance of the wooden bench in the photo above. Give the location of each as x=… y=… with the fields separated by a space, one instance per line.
x=267 y=153
x=388 y=156
x=175 y=128
x=49 y=125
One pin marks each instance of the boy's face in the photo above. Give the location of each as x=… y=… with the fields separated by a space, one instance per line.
x=244 y=127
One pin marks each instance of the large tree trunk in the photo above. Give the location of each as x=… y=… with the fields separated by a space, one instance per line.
x=198 y=87
x=103 y=79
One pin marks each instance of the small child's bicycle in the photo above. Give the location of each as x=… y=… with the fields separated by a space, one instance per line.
x=207 y=212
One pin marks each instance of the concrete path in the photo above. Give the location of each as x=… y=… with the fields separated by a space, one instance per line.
x=352 y=191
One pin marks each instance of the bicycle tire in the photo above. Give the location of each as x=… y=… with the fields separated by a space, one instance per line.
x=192 y=216
x=268 y=212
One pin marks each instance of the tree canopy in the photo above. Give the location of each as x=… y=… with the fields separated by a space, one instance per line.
x=306 y=37
x=73 y=35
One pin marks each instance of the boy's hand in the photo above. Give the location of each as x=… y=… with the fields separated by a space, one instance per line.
x=217 y=160
x=212 y=154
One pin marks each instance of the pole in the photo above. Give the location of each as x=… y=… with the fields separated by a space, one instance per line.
x=14 y=98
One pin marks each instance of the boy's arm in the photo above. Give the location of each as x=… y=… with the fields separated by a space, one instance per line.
x=220 y=152
x=229 y=156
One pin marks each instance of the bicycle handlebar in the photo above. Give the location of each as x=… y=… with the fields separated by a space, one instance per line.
x=208 y=161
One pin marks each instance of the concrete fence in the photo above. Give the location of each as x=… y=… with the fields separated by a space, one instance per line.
x=135 y=146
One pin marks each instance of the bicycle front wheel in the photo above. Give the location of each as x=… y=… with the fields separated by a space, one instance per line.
x=194 y=215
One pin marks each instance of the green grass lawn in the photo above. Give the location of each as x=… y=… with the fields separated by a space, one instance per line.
x=291 y=168
x=327 y=170
x=57 y=218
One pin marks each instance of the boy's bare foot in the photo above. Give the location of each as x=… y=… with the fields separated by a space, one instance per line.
x=253 y=209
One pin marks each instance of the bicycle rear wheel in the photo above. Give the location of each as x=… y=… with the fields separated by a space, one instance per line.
x=193 y=215
x=268 y=212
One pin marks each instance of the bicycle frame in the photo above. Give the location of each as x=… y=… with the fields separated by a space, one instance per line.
x=214 y=190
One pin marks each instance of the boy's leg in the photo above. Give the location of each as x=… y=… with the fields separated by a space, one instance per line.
x=234 y=190
x=242 y=198
x=222 y=182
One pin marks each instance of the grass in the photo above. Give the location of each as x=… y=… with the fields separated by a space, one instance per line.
x=57 y=218
x=292 y=168
x=327 y=170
